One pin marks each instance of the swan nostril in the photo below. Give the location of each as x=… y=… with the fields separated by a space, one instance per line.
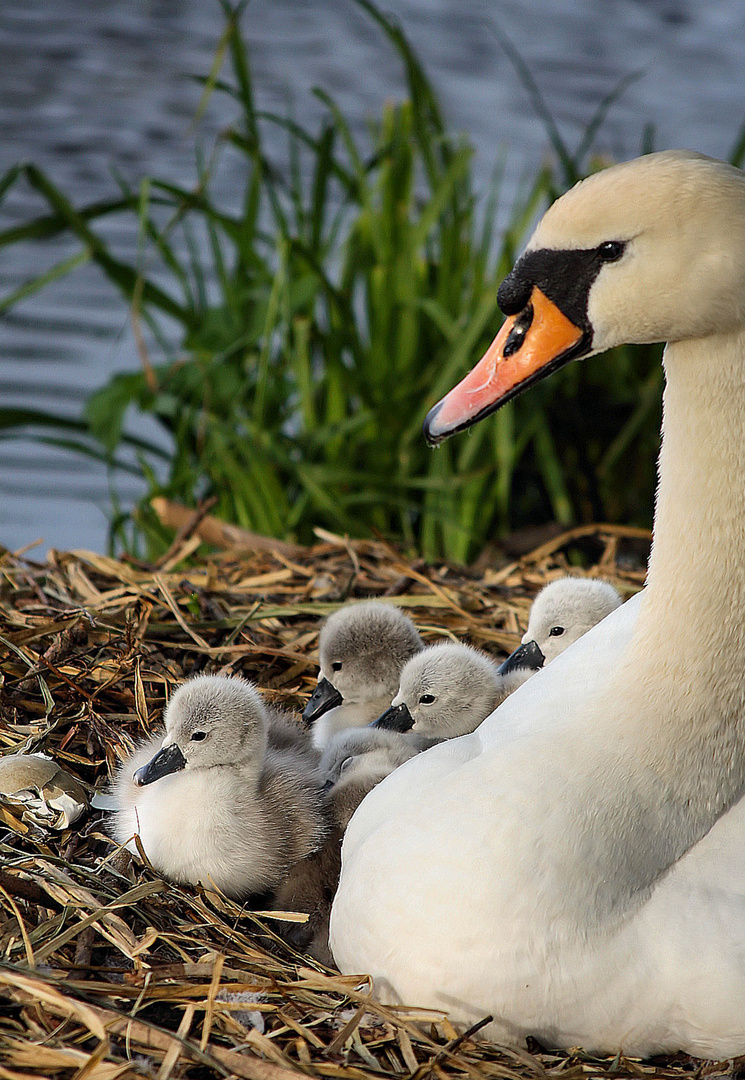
x=517 y=334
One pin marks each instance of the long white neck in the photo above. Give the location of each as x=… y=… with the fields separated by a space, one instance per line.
x=690 y=636
x=696 y=580
x=674 y=737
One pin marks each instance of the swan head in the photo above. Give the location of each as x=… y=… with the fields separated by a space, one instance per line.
x=561 y=613
x=446 y=690
x=649 y=250
x=362 y=649
x=211 y=721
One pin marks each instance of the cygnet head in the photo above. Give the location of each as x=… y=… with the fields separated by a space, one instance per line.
x=362 y=649
x=446 y=690
x=562 y=612
x=364 y=752
x=211 y=721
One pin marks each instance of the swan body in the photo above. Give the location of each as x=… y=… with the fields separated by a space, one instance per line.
x=225 y=797
x=362 y=648
x=593 y=827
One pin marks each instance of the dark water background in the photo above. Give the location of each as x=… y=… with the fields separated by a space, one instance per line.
x=87 y=86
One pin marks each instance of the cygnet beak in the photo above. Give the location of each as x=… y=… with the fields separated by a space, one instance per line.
x=397 y=718
x=525 y=656
x=169 y=759
x=324 y=697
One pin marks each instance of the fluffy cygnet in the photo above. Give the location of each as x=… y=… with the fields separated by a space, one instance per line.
x=309 y=887
x=214 y=801
x=355 y=761
x=352 y=764
x=446 y=690
x=562 y=612
x=362 y=649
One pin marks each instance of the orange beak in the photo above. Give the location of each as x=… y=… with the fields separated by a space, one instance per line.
x=528 y=346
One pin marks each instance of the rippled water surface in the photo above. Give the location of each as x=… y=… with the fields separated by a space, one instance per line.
x=87 y=87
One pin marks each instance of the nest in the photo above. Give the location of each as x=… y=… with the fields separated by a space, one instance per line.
x=105 y=969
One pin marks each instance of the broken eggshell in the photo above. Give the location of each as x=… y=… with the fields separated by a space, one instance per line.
x=45 y=794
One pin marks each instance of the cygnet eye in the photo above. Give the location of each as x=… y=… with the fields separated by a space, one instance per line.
x=346 y=763
x=336 y=666
x=556 y=631
x=198 y=736
x=426 y=699
x=611 y=250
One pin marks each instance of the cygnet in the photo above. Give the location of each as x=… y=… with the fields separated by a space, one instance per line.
x=362 y=649
x=353 y=763
x=214 y=801
x=445 y=691
x=309 y=887
x=562 y=612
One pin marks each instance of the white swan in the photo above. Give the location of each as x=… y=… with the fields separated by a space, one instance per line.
x=227 y=797
x=561 y=613
x=576 y=867
x=362 y=648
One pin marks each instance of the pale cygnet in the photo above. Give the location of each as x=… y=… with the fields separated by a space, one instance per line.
x=362 y=649
x=354 y=761
x=214 y=801
x=561 y=613
x=446 y=690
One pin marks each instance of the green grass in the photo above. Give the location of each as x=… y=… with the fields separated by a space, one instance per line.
x=354 y=290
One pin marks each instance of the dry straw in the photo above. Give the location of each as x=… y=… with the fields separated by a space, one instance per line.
x=105 y=970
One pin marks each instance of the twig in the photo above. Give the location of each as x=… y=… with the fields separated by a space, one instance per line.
x=218 y=533
x=186 y=530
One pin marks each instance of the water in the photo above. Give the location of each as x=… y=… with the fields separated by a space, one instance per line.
x=88 y=86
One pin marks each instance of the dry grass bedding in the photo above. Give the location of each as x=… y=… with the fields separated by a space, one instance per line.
x=108 y=971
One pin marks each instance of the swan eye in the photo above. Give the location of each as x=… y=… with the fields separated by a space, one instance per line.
x=198 y=736
x=345 y=764
x=336 y=666
x=611 y=250
x=556 y=631
x=426 y=699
